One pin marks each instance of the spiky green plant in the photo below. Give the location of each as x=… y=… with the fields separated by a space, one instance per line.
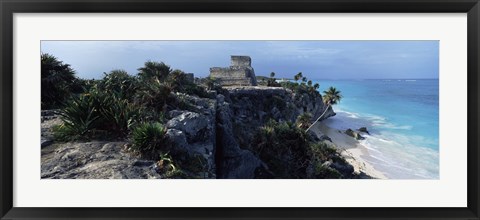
x=153 y=95
x=304 y=120
x=148 y=138
x=119 y=83
x=119 y=116
x=78 y=116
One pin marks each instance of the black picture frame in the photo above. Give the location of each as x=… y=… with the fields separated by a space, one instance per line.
x=9 y=7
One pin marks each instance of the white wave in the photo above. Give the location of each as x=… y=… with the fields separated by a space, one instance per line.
x=401 y=157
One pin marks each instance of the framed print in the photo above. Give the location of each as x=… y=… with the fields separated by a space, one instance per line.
x=257 y=110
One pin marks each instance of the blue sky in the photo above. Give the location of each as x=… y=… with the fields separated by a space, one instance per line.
x=315 y=59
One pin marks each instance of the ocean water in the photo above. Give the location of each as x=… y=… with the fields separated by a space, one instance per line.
x=402 y=118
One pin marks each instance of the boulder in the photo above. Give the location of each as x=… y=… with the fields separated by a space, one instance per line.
x=178 y=140
x=46 y=127
x=325 y=138
x=364 y=130
x=191 y=123
x=45 y=142
x=354 y=134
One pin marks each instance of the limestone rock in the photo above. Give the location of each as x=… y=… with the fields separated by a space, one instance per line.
x=232 y=162
x=193 y=137
x=364 y=130
x=94 y=160
x=191 y=123
x=354 y=134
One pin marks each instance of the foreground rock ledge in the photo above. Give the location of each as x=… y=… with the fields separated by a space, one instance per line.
x=94 y=160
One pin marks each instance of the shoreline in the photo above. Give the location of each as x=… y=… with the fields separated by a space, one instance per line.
x=352 y=150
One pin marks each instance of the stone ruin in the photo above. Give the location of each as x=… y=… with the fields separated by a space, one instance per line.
x=239 y=73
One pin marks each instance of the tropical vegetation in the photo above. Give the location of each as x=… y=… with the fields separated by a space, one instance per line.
x=132 y=108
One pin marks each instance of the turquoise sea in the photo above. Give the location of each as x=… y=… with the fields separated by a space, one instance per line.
x=403 y=120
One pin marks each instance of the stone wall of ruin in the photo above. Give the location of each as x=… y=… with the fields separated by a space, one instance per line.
x=239 y=73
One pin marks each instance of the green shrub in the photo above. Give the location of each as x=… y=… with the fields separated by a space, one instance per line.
x=97 y=112
x=290 y=153
x=149 y=138
x=119 y=83
x=154 y=71
x=119 y=115
x=194 y=89
x=322 y=151
x=212 y=83
x=177 y=80
x=153 y=95
x=57 y=82
x=304 y=120
x=78 y=116
x=301 y=88
x=324 y=172
x=284 y=148
x=181 y=101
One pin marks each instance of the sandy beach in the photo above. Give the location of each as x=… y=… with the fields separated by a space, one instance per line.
x=351 y=149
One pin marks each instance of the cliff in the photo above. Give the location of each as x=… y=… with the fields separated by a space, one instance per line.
x=210 y=139
x=241 y=111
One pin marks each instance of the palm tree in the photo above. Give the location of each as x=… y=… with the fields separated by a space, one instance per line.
x=316 y=86
x=298 y=76
x=309 y=83
x=154 y=70
x=304 y=79
x=272 y=74
x=57 y=80
x=119 y=82
x=332 y=96
x=304 y=120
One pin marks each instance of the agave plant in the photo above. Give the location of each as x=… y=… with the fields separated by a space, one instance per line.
x=153 y=95
x=78 y=116
x=120 y=115
x=147 y=138
x=304 y=120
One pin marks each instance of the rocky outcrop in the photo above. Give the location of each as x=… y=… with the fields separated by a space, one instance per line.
x=193 y=136
x=275 y=102
x=49 y=118
x=94 y=160
x=252 y=107
x=312 y=104
x=232 y=162
x=354 y=134
x=209 y=138
x=364 y=130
